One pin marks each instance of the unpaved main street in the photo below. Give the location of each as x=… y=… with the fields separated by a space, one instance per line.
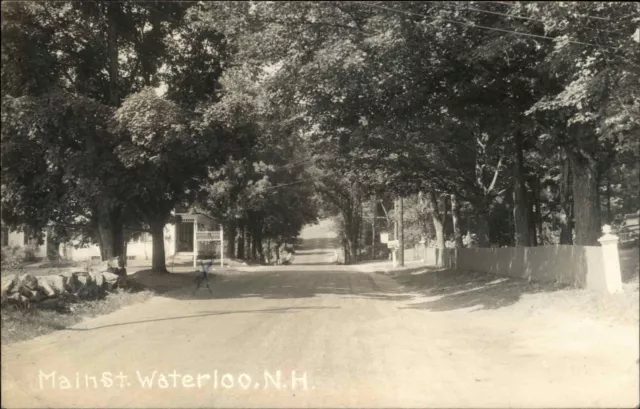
x=321 y=336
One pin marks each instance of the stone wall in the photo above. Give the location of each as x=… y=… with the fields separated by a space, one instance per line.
x=53 y=290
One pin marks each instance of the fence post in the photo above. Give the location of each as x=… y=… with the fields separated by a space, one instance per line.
x=611 y=261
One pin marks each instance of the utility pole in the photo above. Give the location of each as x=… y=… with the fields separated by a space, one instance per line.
x=400 y=233
x=373 y=229
x=396 y=236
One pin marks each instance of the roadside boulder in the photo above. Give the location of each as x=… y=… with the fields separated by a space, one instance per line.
x=31 y=295
x=45 y=287
x=28 y=281
x=85 y=280
x=8 y=284
x=110 y=280
x=57 y=283
x=51 y=285
x=98 y=279
x=72 y=284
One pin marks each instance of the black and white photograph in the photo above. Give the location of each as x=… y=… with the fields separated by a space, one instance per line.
x=320 y=204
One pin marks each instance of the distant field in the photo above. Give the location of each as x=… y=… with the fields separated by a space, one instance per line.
x=322 y=230
x=319 y=243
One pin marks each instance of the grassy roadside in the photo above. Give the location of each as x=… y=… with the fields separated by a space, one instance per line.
x=19 y=326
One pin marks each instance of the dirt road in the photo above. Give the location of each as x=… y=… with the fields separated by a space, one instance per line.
x=323 y=337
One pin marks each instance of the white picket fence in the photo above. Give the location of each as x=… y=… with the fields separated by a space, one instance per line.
x=592 y=267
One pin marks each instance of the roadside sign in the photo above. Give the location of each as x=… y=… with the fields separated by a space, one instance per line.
x=384 y=238
x=393 y=244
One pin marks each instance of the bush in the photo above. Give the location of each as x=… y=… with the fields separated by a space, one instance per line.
x=29 y=254
x=53 y=251
x=12 y=258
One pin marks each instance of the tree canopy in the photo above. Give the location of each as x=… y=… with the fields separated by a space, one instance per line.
x=508 y=123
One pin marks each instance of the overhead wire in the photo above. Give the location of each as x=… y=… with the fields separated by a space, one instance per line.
x=504 y=14
x=510 y=4
x=480 y=26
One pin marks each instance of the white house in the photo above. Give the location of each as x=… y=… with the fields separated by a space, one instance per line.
x=178 y=241
x=24 y=239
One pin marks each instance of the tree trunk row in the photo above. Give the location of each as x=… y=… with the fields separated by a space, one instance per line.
x=520 y=206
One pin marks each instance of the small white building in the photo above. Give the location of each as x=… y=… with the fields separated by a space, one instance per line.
x=25 y=239
x=178 y=241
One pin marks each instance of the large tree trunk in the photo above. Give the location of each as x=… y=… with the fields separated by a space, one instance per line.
x=241 y=240
x=112 y=46
x=248 y=251
x=158 y=262
x=110 y=232
x=532 y=219
x=230 y=234
x=509 y=196
x=437 y=218
x=255 y=243
x=53 y=245
x=566 y=202
x=360 y=229
x=107 y=243
x=401 y=231
x=351 y=247
x=520 y=205
x=110 y=228
x=537 y=211
x=482 y=213
x=268 y=252
x=586 y=200
x=455 y=215
x=345 y=250
x=609 y=214
x=351 y=233
x=260 y=246
x=125 y=241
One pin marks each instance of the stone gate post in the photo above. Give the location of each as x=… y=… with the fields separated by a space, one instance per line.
x=611 y=261
x=423 y=250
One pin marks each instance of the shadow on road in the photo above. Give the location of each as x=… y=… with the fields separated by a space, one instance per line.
x=207 y=314
x=291 y=284
x=452 y=290
x=444 y=290
x=313 y=264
